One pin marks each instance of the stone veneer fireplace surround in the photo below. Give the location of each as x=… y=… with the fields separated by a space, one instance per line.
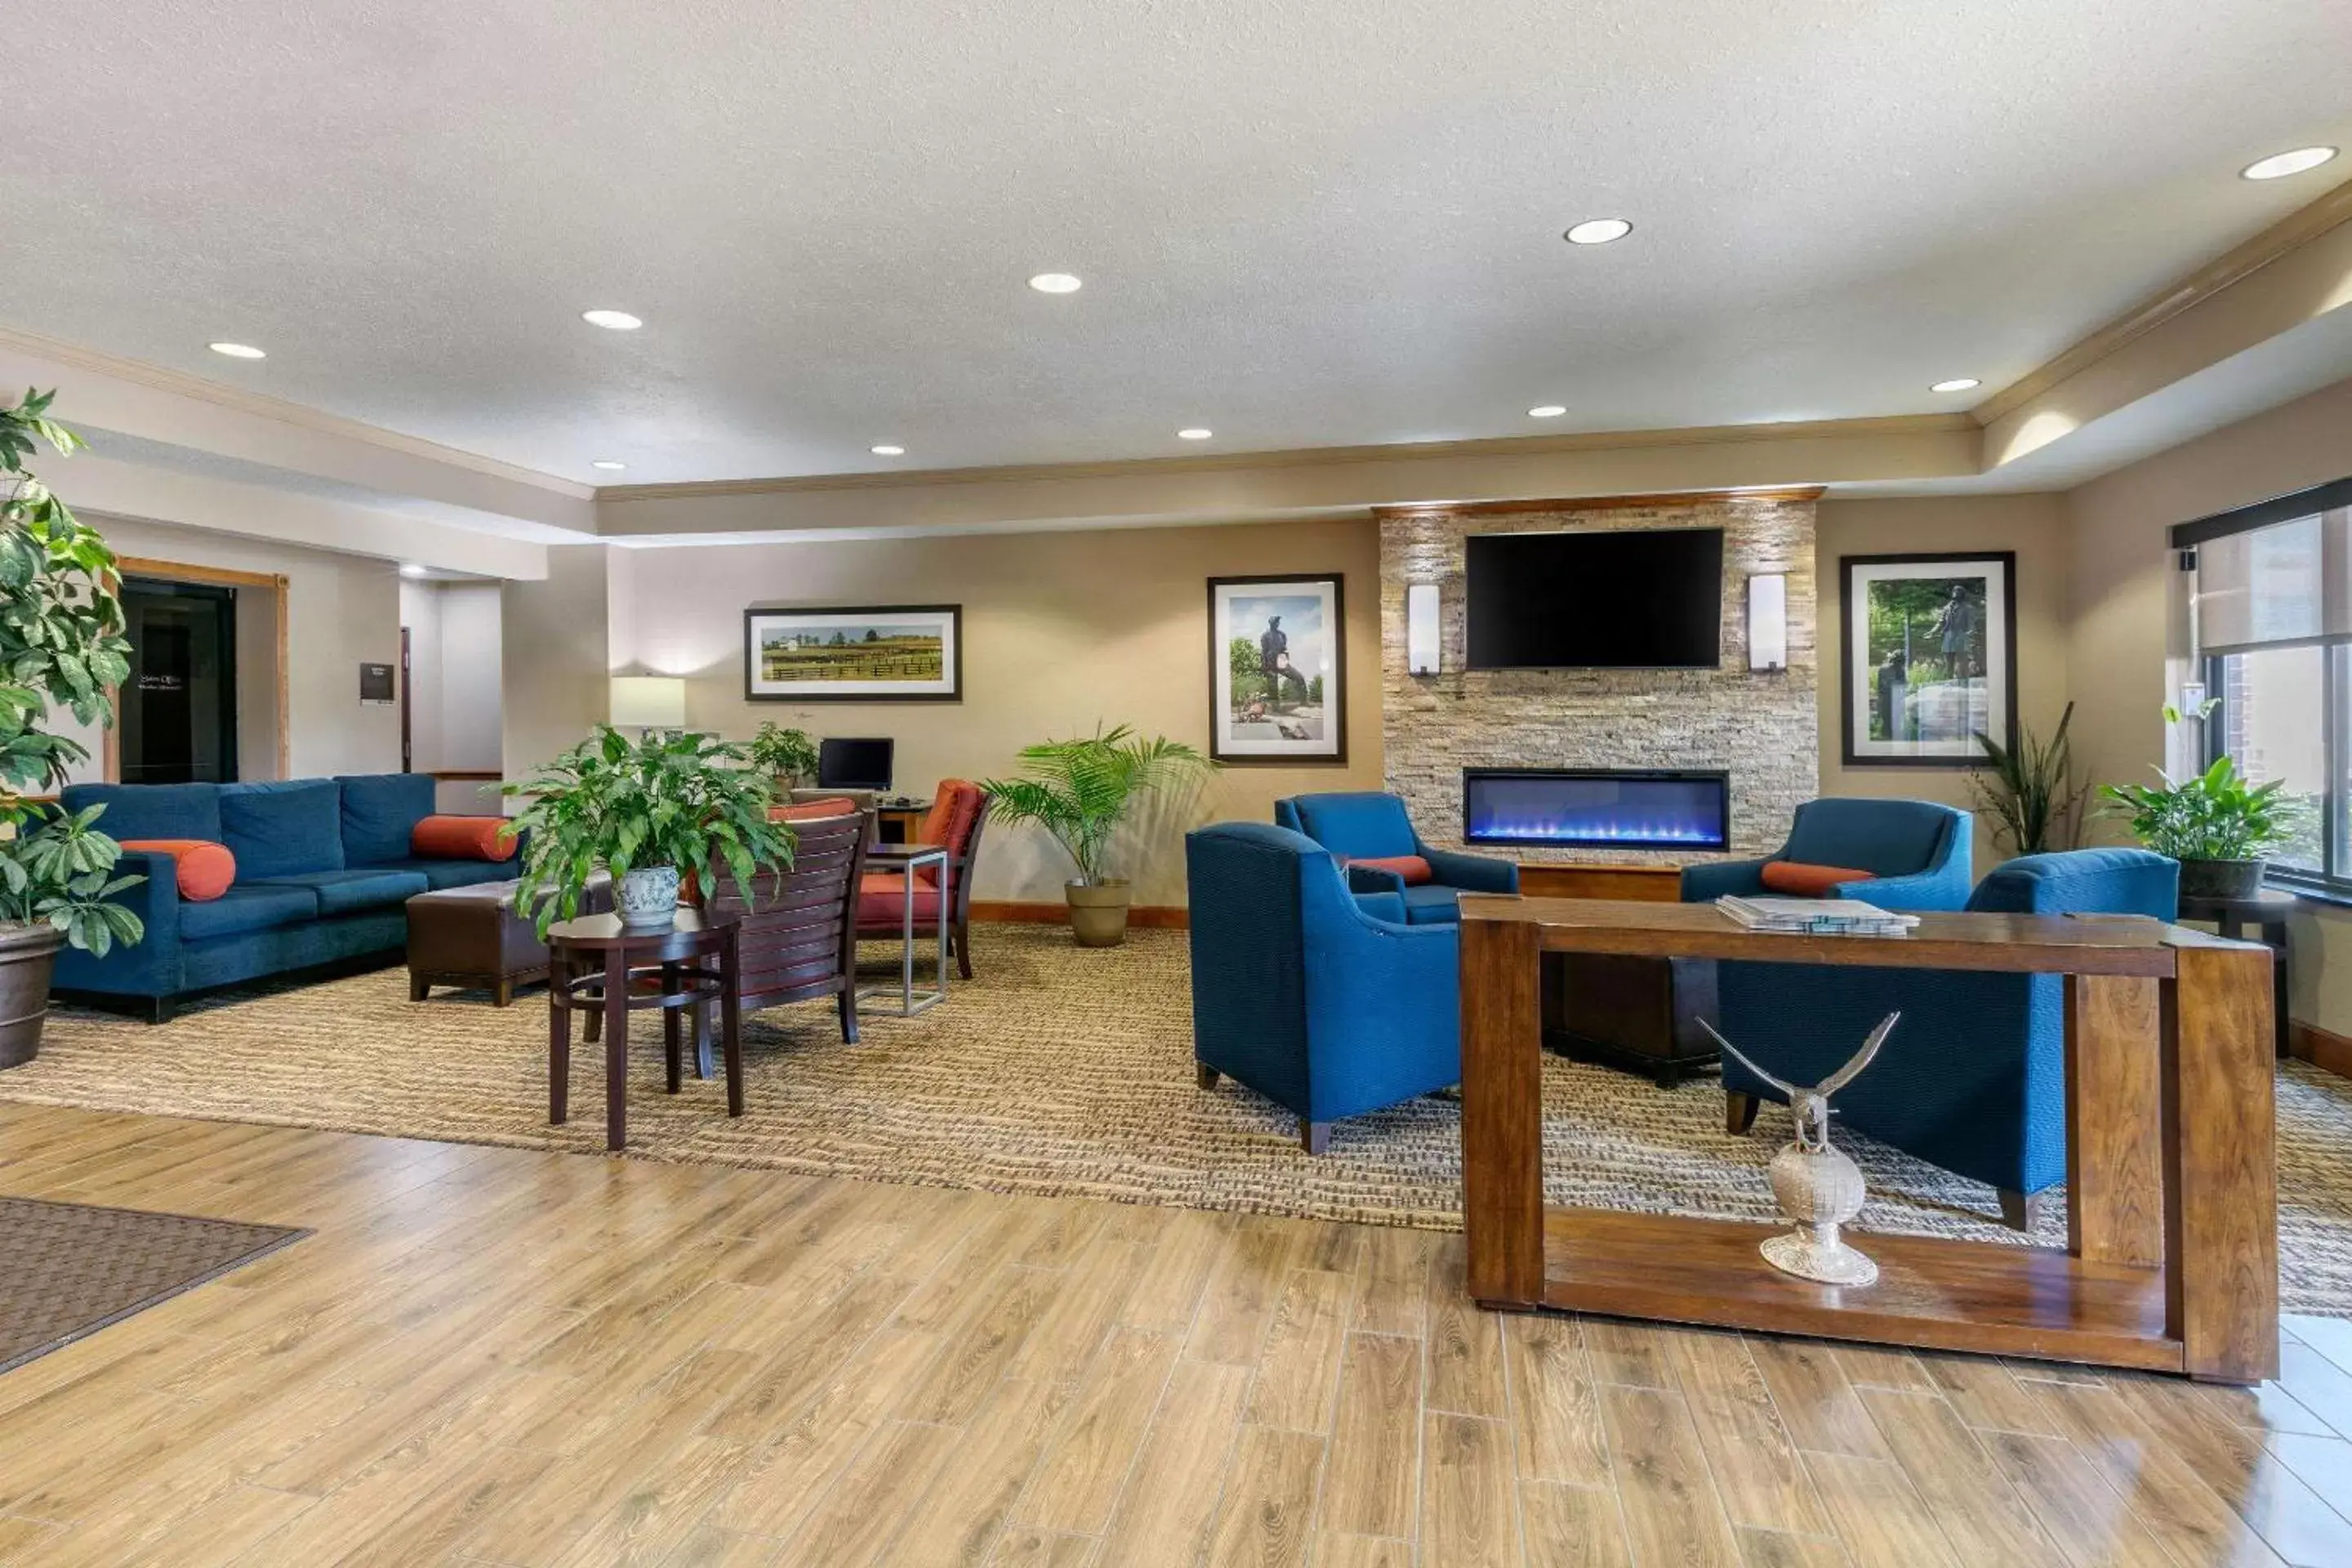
x=1762 y=728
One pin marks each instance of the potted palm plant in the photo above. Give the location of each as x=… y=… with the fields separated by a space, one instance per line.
x=61 y=646
x=648 y=811
x=787 y=756
x=2216 y=824
x=2028 y=789
x=1080 y=792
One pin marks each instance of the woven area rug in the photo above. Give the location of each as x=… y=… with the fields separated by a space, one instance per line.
x=1056 y=1071
x=73 y=1268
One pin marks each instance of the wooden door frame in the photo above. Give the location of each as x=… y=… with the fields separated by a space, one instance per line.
x=110 y=760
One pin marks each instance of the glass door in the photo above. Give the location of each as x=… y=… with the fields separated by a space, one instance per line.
x=178 y=720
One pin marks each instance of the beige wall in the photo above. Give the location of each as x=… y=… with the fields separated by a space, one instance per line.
x=342 y=611
x=2128 y=635
x=2034 y=526
x=454 y=663
x=553 y=657
x=1062 y=631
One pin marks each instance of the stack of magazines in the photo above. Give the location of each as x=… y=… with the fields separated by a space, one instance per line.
x=1816 y=917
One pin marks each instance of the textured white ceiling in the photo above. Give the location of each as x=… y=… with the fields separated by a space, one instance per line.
x=1300 y=222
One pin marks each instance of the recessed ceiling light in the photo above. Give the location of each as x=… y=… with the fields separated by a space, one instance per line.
x=1958 y=383
x=1598 y=231
x=238 y=350
x=888 y=451
x=1196 y=433
x=1547 y=411
x=1057 y=283
x=411 y=569
x=611 y=320
x=2279 y=165
x=607 y=464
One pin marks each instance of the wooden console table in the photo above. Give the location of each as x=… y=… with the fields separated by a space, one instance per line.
x=2172 y=1256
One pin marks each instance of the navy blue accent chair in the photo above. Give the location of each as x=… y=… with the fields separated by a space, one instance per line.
x=323 y=877
x=1974 y=1078
x=1916 y=851
x=1369 y=825
x=1327 y=1002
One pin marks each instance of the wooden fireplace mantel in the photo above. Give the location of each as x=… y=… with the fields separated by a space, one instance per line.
x=2172 y=1256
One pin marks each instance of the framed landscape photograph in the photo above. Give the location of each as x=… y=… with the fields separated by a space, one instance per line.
x=1930 y=657
x=888 y=653
x=1278 y=669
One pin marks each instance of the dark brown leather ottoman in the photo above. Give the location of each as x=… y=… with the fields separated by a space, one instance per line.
x=469 y=938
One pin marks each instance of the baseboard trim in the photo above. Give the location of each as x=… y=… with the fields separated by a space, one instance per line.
x=2328 y=1052
x=1166 y=916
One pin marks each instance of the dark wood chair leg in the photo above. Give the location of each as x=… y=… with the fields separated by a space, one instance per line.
x=1739 y=1112
x=594 y=1031
x=698 y=1017
x=559 y=1053
x=964 y=948
x=850 y=1008
x=418 y=987
x=730 y=1023
x=1314 y=1137
x=2022 y=1212
x=1206 y=1074
x=617 y=1052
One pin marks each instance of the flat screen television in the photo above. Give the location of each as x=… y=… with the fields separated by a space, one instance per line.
x=1618 y=599
x=853 y=763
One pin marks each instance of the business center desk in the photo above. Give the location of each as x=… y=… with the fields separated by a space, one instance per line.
x=2172 y=1256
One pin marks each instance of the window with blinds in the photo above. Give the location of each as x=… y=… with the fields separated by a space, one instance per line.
x=2273 y=620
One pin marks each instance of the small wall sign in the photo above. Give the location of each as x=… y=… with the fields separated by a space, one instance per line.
x=376 y=684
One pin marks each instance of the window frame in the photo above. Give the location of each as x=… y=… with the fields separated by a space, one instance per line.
x=2334 y=879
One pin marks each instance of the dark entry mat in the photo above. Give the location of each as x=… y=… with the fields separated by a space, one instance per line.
x=67 y=1271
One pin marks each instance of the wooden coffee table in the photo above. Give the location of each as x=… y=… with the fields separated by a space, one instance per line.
x=591 y=964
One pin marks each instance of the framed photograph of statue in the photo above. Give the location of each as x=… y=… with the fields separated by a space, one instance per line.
x=1278 y=669
x=886 y=653
x=1929 y=659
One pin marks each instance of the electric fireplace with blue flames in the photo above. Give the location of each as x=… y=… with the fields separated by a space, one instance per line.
x=1598 y=808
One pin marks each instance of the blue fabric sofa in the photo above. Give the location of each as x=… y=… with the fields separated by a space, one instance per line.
x=323 y=870
x=1327 y=1002
x=1916 y=851
x=1974 y=1078
x=1371 y=826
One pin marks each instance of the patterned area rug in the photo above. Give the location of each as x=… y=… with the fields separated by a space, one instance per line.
x=1057 y=1071
x=73 y=1268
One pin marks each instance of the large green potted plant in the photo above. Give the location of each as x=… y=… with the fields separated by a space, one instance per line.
x=787 y=756
x=2216 y=824
x=648 y=811
x=61 y=646
x=1080 y=792
x=2029 y=790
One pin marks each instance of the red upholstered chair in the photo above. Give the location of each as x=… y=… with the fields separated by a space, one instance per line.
x=959 y=812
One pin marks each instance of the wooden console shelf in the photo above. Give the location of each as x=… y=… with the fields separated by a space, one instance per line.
x=2172 y=1261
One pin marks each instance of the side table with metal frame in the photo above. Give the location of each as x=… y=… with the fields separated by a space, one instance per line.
x=905 y=858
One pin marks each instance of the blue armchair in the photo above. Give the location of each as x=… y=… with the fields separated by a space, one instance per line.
x=1974 y=1078
x=1372 y=826
x=1915 y=850
x=1328 y=1003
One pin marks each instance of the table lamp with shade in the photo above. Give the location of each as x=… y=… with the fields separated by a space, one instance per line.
x=649 y=703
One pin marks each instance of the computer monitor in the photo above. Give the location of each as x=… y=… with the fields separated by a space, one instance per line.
x=853 y=763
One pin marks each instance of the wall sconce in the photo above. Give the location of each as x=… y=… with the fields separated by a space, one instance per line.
x=1768 y=621
x=1420 y=629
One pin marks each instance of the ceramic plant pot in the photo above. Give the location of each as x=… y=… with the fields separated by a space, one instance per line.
x=1098 y=913
x=28 y=954
x=2222 y=878
x=647 y=898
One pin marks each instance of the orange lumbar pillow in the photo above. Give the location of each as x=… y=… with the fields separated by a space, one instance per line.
x=205 y=870
x=1411 y=868
x=1804 y=881
x=461 y=839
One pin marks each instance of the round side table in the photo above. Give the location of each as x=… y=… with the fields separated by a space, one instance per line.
x=2266 y=912
x=589 y=964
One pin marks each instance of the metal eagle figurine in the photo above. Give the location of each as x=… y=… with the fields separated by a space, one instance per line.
x=1816 y=1185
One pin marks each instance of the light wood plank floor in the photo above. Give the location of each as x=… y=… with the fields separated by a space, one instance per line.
x=488 y=1356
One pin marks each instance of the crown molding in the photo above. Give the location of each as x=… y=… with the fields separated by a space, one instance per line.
x=182 y=384
x=1305 y=457
x=2232 y=266
x=1767 y=494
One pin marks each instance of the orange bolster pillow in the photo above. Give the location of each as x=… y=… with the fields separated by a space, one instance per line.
x=205 y=870
x=1411 y=868
x=1804 y=881
x=461 y=839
